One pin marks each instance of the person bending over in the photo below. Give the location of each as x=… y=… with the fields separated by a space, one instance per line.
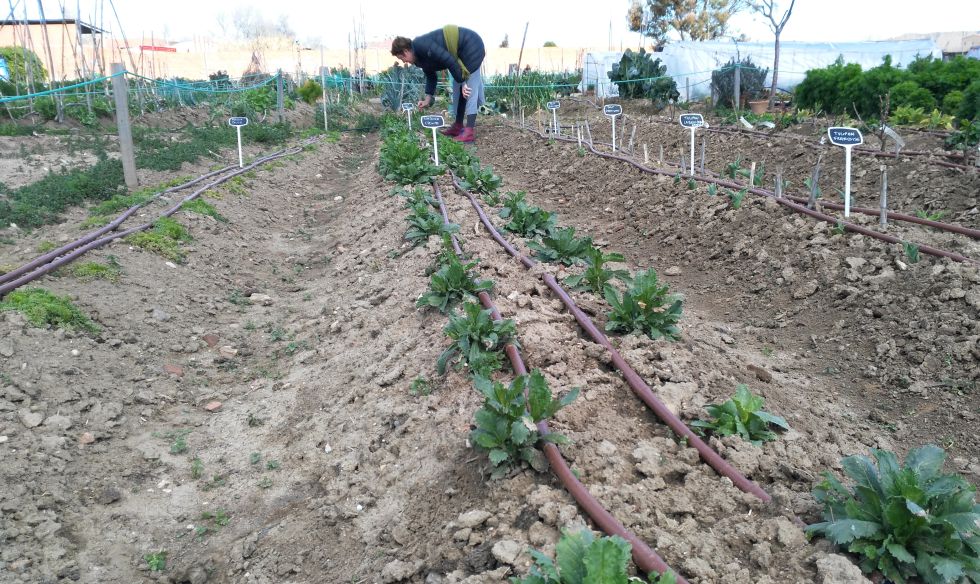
x=461 y=51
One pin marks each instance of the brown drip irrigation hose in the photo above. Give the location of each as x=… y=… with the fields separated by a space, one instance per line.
x=86 y=243
x=782 y=201
x=635 y=382
x=644 y=556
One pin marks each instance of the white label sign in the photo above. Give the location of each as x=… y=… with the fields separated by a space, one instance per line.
x=692 y=120
x=433 y=122
x=845 y=137
x=612 y=109
x=407 y=107
x=553 y=105
x=236 y=122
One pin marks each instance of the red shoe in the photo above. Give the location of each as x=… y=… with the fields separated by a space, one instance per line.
x=467 y=135
x=453 y=130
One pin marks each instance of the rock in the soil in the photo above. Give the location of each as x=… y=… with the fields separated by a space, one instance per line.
x=673 y=271
x=507 y=551
x=261 y=299
x=835 y=569
x=213 y=406
x=760 y=373
x=86 y=438
x=160 y=315
x=7 y=348
x=397 y=571
x=109 y=495
x=30 y=419
x=58 y=422
x=807 y=289
x=473 y=518
x=228 y=351
x=174 y=370
x=211 y=339
x=647 y=459
x=391 y=376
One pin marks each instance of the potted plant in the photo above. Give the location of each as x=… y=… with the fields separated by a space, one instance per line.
x=759 y=102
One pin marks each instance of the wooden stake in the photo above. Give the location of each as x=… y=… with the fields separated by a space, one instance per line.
x=752 y=175
x=588 y=131
x=779 y=182
x=121 y=92
x=883 y=204
x=632 y=136
x=646 y=156
x=660 y=160
x=704 y=147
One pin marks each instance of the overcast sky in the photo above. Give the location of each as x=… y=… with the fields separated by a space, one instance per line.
x=568 y=23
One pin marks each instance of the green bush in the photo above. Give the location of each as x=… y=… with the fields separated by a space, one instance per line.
x=18 y=60
x=753 y=80
x=911 y=94
x=821 y=88
x=970 y=106
x=639 y=75
x=310 y=91
x=952 y=102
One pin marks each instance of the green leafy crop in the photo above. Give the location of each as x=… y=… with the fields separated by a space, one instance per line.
x=164 y=239
x=478 y=179
x=424 y=222
x=42 y=308
x=742 y=415
x=561 y=246
x=505 y=425
x=415 y=196
x=645 y=307
x=580 y=558
x=908 y=522
x=402 y=160
x=596 y=277
x=477 y=340
x=452 y=283
x=526 y=220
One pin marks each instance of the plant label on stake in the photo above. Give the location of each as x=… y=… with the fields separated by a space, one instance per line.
x=553 y=106
x=237 y=123
x=847 y=138
x=434 y=122
x=407 y=107
x=692 y=121
x=612 y=110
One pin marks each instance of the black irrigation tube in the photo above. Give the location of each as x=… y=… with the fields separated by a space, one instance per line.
x=87 y=243
x=782 y=201
x=645 y=557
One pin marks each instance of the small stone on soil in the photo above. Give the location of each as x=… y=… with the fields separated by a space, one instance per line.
x=507 y=551
x=86 y=438
x=213 y=406
x=173 y=370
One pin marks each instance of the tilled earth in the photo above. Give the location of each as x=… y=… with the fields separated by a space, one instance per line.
x=319 y=465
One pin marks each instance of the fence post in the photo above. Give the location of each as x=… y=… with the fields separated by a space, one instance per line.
x=883 y=203
x=323 y=82
x=738 y=86
x=120 y=90
x=279 y=100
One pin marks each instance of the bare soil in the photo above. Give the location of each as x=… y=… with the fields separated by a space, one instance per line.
x=298 y=316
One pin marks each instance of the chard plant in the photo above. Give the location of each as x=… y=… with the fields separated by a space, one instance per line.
x=911 y=522
x=417 y=195
x=402 y=161
x=479 y=179
x=505 y=425
x=581 y=558
x=596 y=276
x=646 y=306
x=512 y=199
x=424 y=222
x=562 y=247
x=454 y=154
x=477 y=341
x=741 y=415
x=451 y=284
x=528 y=221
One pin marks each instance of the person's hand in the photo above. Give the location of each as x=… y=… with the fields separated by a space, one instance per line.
x=466 y=91
x=426 y=102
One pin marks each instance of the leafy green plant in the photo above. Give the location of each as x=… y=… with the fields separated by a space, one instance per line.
x=164 y=239
x=911 y=251
x=753 y=79
x=417 y=195
x=157 y=561
x=692 y=184
x=524 y=219
x=838 y=228
x=452 y=283
x=736 y=198
x=477 y=341
x=908 y=522
x=935 y=216
x=581 y=558
x=479 y=179
x=596 y=276
x=310 y=91
x=712 y=190
x=561 y=246
x=639 y=75
x=42 y=308
x=109 y=271
x=646 y=306
x=741 y=415
x=197 y=468
x=420 y=386
x=424 y=222
x=505 y=425
x=402 y=161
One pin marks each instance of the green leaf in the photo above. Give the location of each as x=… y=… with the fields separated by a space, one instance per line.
x=900 y=553
x=570 y=554
x=546 y=566
x=498 y=456
x=948 y=568
x=862 y=471
x=606 y=561
x=847 y=530
x=771 y=419
x=519 y=432
x=926 y=461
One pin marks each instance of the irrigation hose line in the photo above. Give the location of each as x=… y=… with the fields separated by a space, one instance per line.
x=81 y=250
x=635 y=382
x=644 y=556
x=782 y=201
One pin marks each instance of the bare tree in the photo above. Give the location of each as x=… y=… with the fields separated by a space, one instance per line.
x=697 y=20
x=767 y=8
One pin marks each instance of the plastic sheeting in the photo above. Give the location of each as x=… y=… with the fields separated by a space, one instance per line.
x=692 y=62
x=595 y=69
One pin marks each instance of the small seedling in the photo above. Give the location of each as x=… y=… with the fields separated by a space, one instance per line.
x=157 y=561
x=179 y=444
x=580 y=151
x=936 y=216
x=451 y=284
x=420 y=386
x=272 y=464
x=264 y=483
x=255 y=458
x=202 y=207
x=736 y=199
x=838 y=228
x=109 y=271
x=238 y=298
x=596 y=277
x=712 y=190
x=197 y=468
x=561 y=246
x=742 y=415
x=911 y=252
x=692 y=184
x=215 y=482
x=477 y=341
x=505 y=425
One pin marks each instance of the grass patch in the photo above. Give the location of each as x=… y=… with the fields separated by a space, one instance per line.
x=164 y=239
x=109 y=271
x=96 y=221
x=42 y=308
x=43 y=202
x=202 y=207
x=45 y=246
x=156 y=152
x=121 y=203
x=16 y=130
